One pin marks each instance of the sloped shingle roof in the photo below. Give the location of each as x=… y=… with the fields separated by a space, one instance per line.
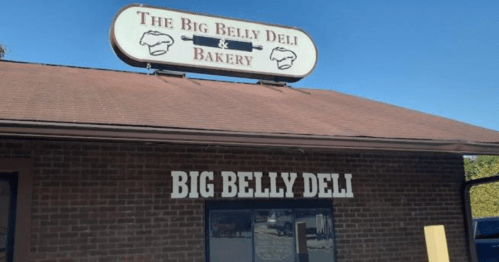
x=56 y=94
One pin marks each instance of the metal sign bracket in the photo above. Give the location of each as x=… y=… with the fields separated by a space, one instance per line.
x=271 y=83
x=169 y=73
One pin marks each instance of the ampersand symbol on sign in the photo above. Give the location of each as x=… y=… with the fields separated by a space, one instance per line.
x=222 y=44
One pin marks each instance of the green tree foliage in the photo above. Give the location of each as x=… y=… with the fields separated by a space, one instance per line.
x=3 y=50
x=482 y=166
x=484 y=198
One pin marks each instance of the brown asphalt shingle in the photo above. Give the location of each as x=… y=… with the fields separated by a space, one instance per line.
x=75 y=95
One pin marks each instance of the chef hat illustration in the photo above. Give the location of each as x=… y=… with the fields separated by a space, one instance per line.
x=283 y=56
x=158 y=42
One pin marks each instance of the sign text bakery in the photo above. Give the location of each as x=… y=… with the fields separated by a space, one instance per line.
x=168 y=39
x=195 y=184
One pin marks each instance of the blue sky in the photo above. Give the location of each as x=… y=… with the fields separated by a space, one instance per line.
x=438 y=57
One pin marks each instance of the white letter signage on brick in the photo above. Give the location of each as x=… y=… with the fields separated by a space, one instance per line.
x=179 y=180
x=191 y=42
x=237 y=184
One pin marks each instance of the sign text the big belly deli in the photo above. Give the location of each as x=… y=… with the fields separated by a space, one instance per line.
x=184 y=41
x=237 y=184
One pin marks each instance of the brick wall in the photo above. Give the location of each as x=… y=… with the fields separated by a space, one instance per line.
x=99 y=202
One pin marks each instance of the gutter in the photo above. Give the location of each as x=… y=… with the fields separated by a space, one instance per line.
x=107 y=132
x=467 y=212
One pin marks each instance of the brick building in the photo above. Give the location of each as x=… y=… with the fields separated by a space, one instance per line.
x=119 y=166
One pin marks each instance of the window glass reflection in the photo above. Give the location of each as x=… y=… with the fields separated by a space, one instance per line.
x=231 y=236
x=4 y=218
x=274 y=235
x=317 y=244
x=270 y=233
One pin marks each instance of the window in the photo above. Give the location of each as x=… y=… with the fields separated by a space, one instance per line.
x=8 y=202
x=277 y=231
x=16 y=186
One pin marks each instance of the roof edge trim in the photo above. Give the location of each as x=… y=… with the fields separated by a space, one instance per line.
x=176 y=135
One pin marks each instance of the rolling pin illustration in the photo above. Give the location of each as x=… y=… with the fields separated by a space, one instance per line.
x=222 y=43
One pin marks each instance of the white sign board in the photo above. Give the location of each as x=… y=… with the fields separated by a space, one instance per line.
x=191 y=42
